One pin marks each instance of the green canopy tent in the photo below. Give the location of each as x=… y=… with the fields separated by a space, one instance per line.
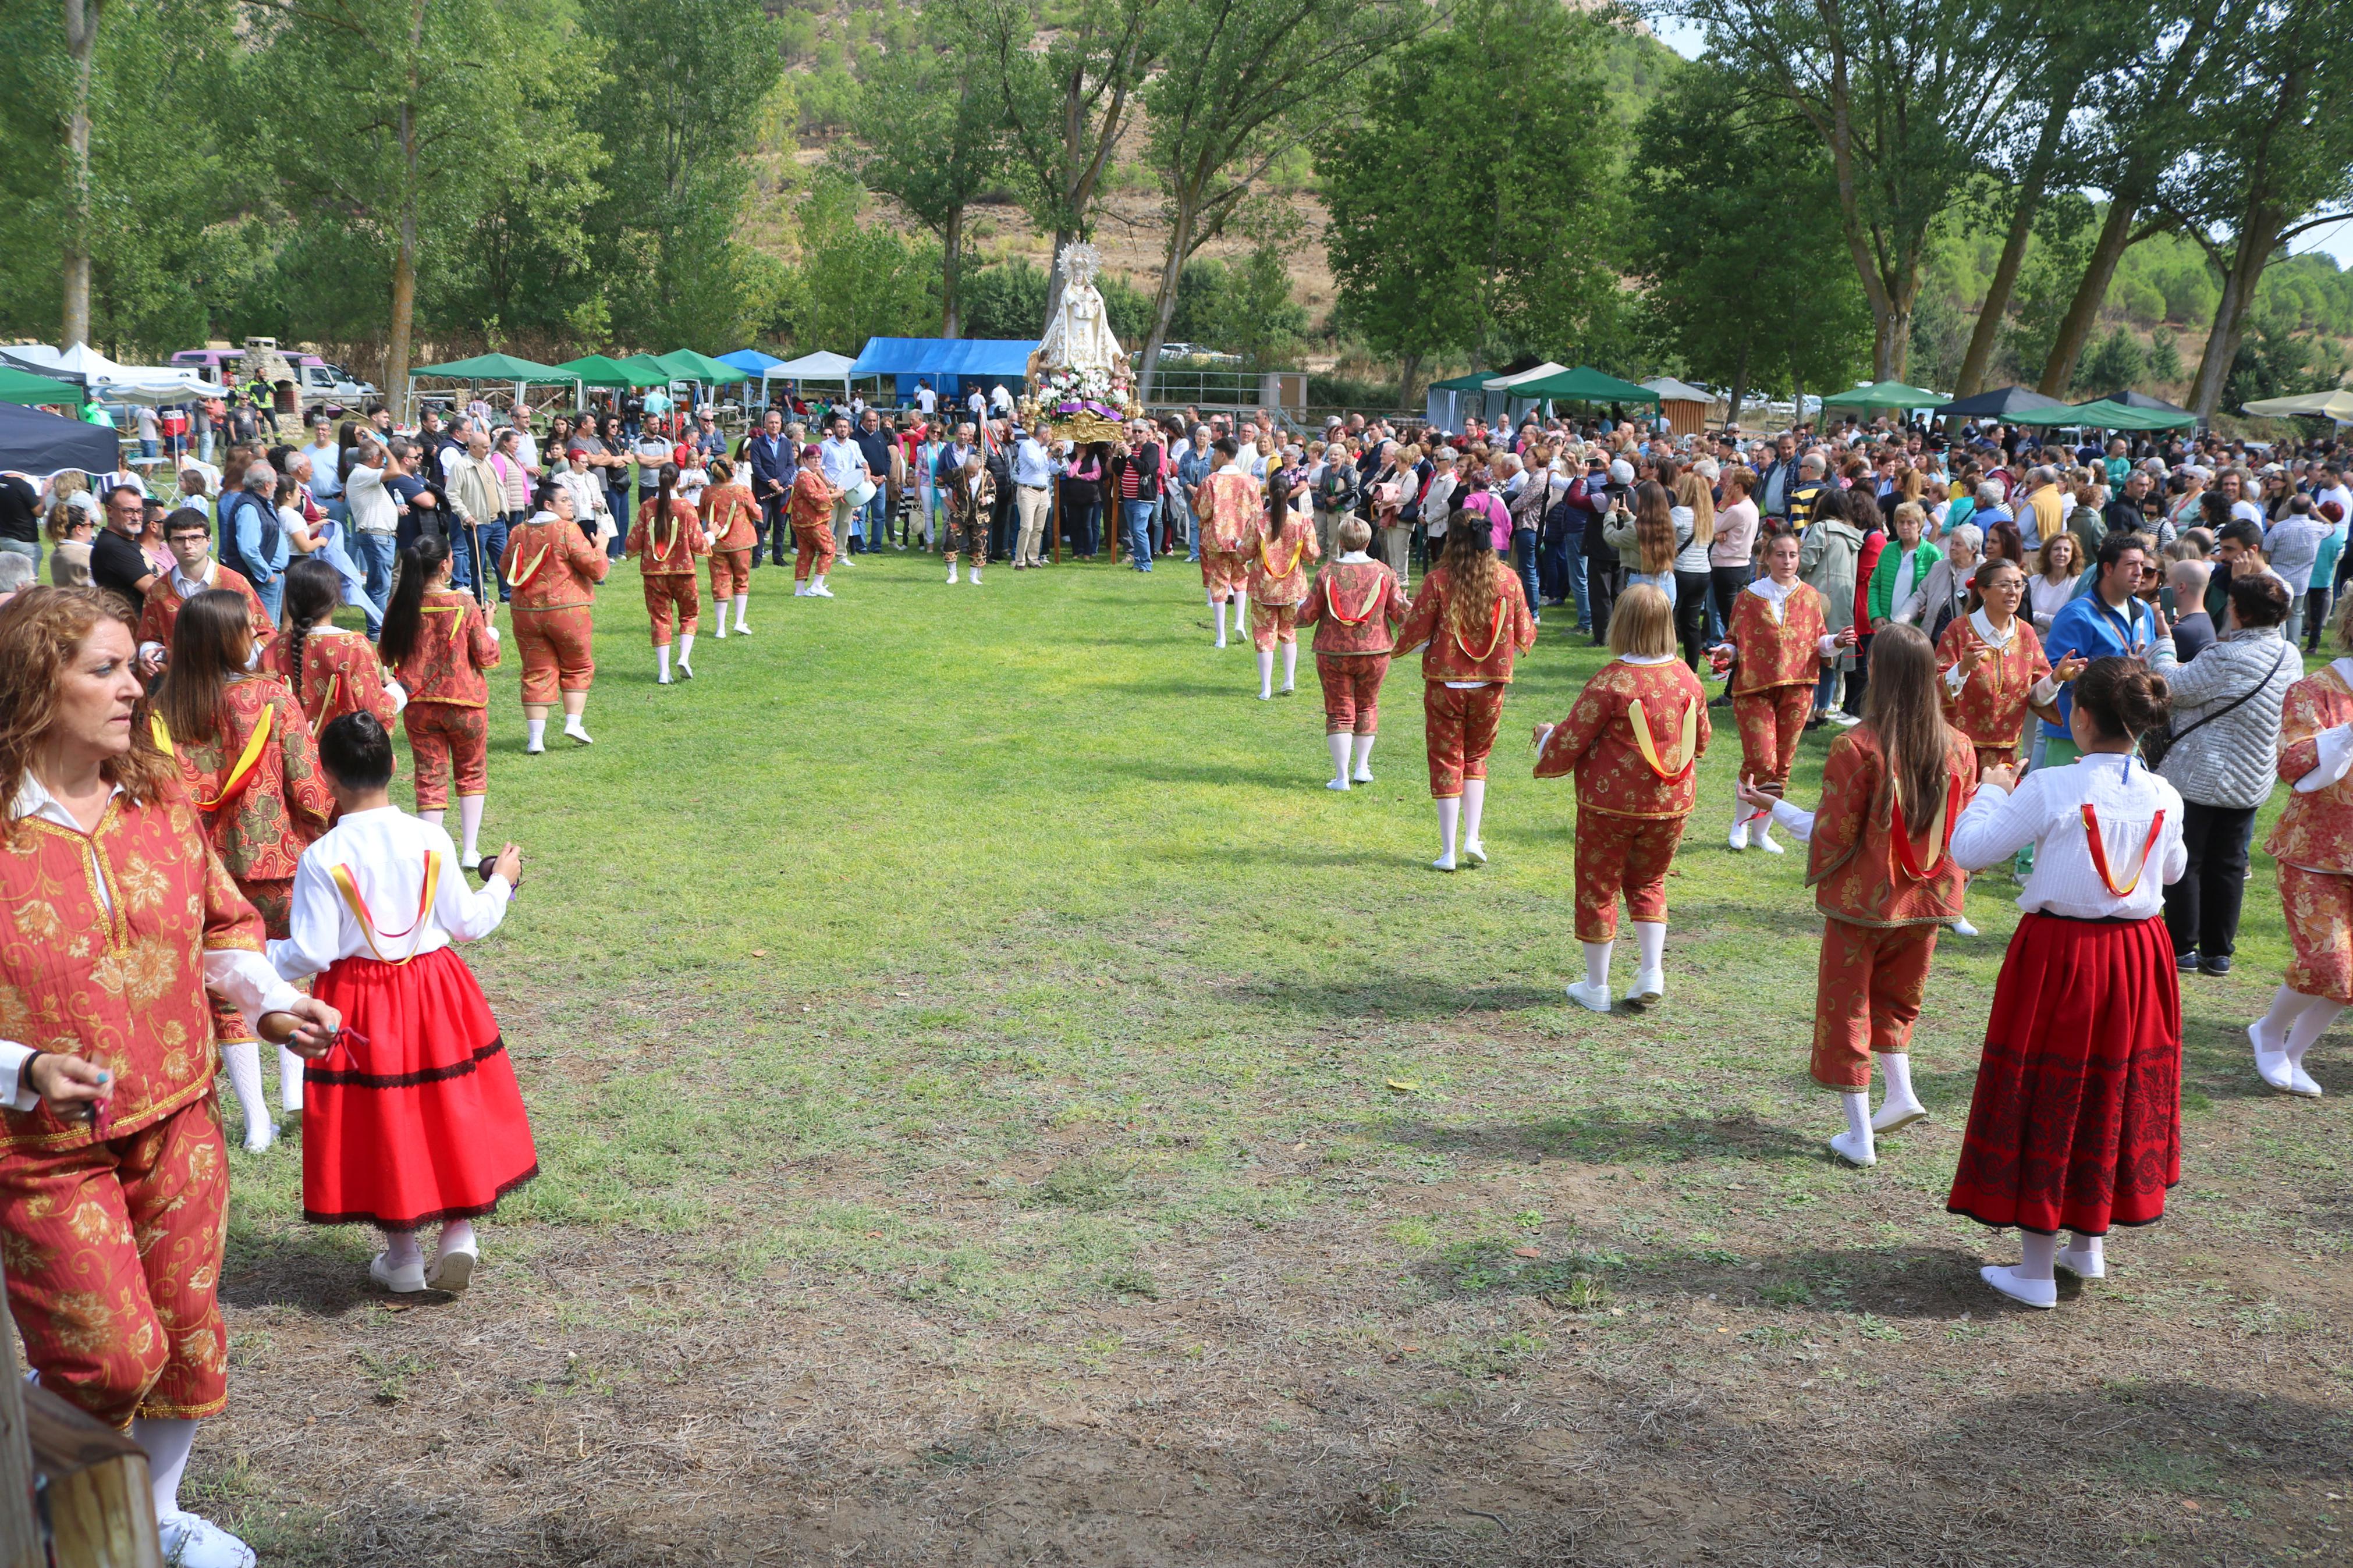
x=2102 y=414
x=495 y=367
x=1585 y=385
x=598 y=370
x=24 y=386
x=685 y=364
x=1893 y=396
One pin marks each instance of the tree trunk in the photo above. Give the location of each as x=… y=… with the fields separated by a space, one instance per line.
x=1163 y=309
x=399 y=350
x=1797 y=400
x=2258 y=237
x=1409 y=372
x=2014 y=257
x=2084 y=311
x=951 y=273
x=81 y=42
x=1739 y=387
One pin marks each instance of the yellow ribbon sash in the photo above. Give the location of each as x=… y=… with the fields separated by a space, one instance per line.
x=522 y=578
x=1372 y=597
x=240 y=773
x=348 y=888
x=1686 y=751
x=327 y=703
x=1494 y=636
x=1266 y=558
x=457 y=613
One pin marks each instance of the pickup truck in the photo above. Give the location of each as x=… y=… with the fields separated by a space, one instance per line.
x=321 y=381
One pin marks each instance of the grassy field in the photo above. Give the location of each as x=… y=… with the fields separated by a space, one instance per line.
x=996 y=1106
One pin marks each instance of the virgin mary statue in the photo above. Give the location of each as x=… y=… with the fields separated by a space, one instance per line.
x=1079 y=337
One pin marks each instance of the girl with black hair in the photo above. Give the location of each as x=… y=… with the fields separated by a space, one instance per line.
x=438 y=644
x=2076 y=1121
x=246 y=758
x=664 y=541
x=1278 y=545
x=331 y=671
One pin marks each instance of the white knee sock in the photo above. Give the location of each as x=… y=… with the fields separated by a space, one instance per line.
x=290 y=1079
x=243 y=1060
x=686 y=647
x=1651 y=936
x=2319 y=1011
x=458 y=1235
x=1858 y=1117
x=1339 y=744
x=741 y=601
x=1365 y=758
x=168 y=1444
x=661 y=664
x=433 y=817
x=720 y=630
x=1449 y=813
x=400 y=1248
x=1242 y=609
x=2036 y=1255
x=1290 y=665
x=535 y=733
x=1897 y=1066
x=1266 y=673
x=469 y=827
x=1597 y=964
x=1218 y=613
x=1474 y=803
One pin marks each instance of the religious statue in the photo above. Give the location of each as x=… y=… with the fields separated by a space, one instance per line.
x=1079 y=337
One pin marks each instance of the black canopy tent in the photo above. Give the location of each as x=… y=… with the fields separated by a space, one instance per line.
x=38 y=444
x=2002 y=403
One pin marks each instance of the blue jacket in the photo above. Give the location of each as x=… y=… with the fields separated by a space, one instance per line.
x=2089 y=628
x=773 y=462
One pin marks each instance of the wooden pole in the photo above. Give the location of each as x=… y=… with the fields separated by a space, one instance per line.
x=1055 y=481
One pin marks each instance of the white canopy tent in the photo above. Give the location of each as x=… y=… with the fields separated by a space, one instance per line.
x=109 y=382
x=1516 y=407
x=822 y=365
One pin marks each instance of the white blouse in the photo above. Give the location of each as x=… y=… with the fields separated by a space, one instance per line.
x=2046 y=810
x=383 y=851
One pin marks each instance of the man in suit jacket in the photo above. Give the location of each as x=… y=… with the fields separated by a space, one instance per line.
x=772 y=461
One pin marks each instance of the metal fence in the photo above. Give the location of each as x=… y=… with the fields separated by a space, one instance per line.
x=1177 y=388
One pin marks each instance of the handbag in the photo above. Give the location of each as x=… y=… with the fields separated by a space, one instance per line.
x=2154 y=744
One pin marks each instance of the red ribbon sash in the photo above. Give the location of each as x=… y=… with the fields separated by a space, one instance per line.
x=2100 y=851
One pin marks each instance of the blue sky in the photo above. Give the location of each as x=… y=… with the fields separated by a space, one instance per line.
x=2335 y=238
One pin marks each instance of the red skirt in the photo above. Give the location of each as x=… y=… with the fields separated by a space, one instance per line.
x=2077 y=1123
x=424 y=1122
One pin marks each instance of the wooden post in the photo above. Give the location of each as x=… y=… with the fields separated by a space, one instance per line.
x=101 y=1500
x=20 y=1537
x=1055 y=482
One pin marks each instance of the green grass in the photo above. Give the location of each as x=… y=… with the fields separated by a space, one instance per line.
x=982 y=983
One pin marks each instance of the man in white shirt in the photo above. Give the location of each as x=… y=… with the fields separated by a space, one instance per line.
x=844 y=465
x=927 y=400
x=326 y=471
x=1034 y=465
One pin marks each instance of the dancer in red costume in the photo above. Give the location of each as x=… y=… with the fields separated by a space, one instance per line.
x=1278 y=544
x=664 y=541
x=553 y=570
x=1474 y=619
x=1776 y=647
x=1355 y=607
x=2077 y=1123
x=437 y=645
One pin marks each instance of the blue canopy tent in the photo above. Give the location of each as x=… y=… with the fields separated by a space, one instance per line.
x=947 y=363
x=751 y=362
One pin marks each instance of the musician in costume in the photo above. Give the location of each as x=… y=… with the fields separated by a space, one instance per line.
x=1227 y=505
x=1633 y=738
x=971 y=502
x=810 y=509
x=2076 y=1121
x=1775 y=646
x=188 y=536
x=2313 y=843
x=122 y=919
x=1356 y=606
x=330 y=671
x=1995 y=671
x=553 y=570
x=414 y=1114
x=1278 y=544
x=246 y=758
x=437 y=645
x=1885 y=880
x=664 y=541
x=731 y=520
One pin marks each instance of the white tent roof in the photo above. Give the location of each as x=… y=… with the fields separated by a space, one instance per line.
x=109 y=381
x=822 y=365
x=1670 y=390
x=1505 y=382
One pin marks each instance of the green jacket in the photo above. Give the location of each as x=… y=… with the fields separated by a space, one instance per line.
x=1882 y=602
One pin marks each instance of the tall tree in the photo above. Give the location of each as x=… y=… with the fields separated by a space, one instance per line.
x=1907 y=96
x=1472 y=204
x=679 y=107
x=430 y=100
x=1065 y=101
x=81 y=48
x=931 y=137
x=2148 y=111
x=2278 y=161
x=1242 y=83
x=1728 y=247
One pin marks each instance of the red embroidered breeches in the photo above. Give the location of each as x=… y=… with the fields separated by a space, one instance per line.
x=1628 y=855
x=444 y=738
x=1272 y=624
x=2319 y=909
x=1224 y=573
x=115 y=1261
x=1867 y=995
x=1771 y=722
x=1459 y=729
x=812 y=550
x=558 y=651
x=670 y=596
x=731 y=574
x=1352 y=692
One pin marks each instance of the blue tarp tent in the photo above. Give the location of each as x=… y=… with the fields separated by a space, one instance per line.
x=751 y=362
x=947 y=363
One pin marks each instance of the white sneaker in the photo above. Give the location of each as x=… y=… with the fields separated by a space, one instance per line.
x=1650 y=984
x=1362 y=775
x=741 y=630
x=820 y=593
x=1443 y=863
x=1897 y=1113
x=1853 y=1150
x=1762 y=839
x=259 y=1141
x=2042 y=1294
x=1339 y=784
x=800 y=590
x=975 y=576
x=1476 y=850
x=686 y=669
x=576 y=731
x=406 y=1279
x=2300 y=1082
x=951 y=577
x=1842 y=718
x=1962 y=928
x=2273 y=1067
x=453 y=1271
x=534 y=748
x=2082 y=1265
x=190 y=1542
x=1739 y=839
x=1587 y=994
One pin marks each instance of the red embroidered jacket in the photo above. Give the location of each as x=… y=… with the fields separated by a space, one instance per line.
x=161 y=612
x=551 y=566
x=268 y=811
x=2316 y=831
x=1485 y=653
x=1278 y=568
x=666 y=547
x=452 y=652
x=1859 y=871
x=1990 y=707
x=340 y=675
x=1353 y=605
x=1616 y=771
x=1783 y=652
